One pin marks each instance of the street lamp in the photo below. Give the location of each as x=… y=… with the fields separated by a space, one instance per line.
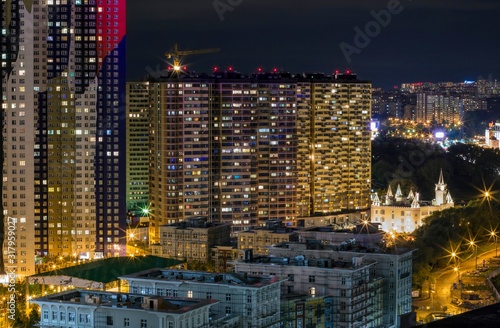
x=456 y=259
x=494 y=235
x=458 y=273
x=473 y=244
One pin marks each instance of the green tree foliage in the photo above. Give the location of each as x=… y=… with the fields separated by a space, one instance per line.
x=467 y=169
x=451 y=230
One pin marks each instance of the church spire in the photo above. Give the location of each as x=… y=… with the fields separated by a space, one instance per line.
x=441 y=179
x=440 y=191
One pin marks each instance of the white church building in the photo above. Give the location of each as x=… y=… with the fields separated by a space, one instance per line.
x=405 y=214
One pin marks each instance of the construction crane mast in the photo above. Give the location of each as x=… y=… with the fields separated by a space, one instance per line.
x=176 y=54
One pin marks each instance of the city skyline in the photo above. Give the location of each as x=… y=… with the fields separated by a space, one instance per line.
x=424 y=41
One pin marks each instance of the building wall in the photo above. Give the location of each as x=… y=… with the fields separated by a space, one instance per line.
x=259 y=240
x=230 y=149
x=334 y=164
x=308 y=311
x=63 y=93
x=189 y=243
x=355 y=291
x=341 y=220
x=77 y=314
x=242 y=150
x=403 y=218
x=18 y=87
x=387 y=276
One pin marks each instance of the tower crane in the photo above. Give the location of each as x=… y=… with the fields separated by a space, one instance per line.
x=176 y=54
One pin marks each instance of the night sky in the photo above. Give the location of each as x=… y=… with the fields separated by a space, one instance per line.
x=428 y=40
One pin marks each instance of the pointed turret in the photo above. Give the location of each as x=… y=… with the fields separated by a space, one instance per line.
x=399 y=194
x=411 y=195
x=389 y=196
x=389 y=192
x=415 y=203
x=449 y=199
x=376 y=200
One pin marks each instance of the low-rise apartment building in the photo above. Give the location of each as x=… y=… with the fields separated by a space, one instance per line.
x=248 y=300
x=373 y=287
x=90 y=309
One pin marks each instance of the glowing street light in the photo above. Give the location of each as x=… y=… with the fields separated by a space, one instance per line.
x=473 y=244
x=493 y=234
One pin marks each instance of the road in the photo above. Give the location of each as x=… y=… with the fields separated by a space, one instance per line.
x=442 y=293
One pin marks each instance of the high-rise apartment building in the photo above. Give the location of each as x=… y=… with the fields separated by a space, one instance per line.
x=245 y=149
x=222 y=147
x=334 y=151
x=440 y=108
x=63 y=95
x=137 y=119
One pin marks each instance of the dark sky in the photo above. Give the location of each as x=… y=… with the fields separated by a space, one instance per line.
x=429 y=40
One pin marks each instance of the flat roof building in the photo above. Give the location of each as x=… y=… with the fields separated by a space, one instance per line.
x=82 y=309
x=191 y=240
x=252 y=301
x=371 y=285
x=260 y=238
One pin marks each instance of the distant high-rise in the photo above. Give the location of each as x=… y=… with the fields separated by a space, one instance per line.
x=244 y=149
x=63 y=95
x=443 y=109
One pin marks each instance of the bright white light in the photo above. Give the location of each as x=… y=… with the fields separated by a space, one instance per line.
x=439 y=135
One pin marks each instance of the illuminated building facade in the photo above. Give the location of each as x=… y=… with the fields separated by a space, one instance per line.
x=84 y=308
x=248 y=301
x=401 y=213
x=63 y=93
x=247 y=149
x=137 y=118
x=443 y=109
x=259 y=239
x=334 y=156
x=191 y=240
x=224 y=148
x=370 y=289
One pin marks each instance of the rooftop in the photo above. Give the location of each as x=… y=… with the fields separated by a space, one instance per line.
x=125 y=300
x=108 y=270
x=300 y=260
x=203 y=277
x=346 y=247
x=197 y=222
x=284 y=77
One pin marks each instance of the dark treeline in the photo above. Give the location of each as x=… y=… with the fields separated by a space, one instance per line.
x=468 y=169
